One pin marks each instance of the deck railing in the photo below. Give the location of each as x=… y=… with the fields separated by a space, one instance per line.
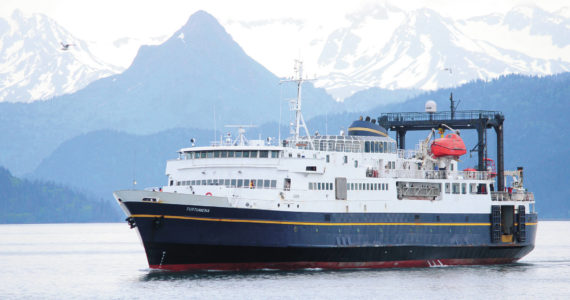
x=443 y=115
x=436 y=174
x=514 y=196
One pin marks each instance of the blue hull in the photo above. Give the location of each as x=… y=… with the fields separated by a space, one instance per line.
x=186 y=237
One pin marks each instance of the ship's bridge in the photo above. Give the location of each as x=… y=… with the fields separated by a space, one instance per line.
x=343 y=143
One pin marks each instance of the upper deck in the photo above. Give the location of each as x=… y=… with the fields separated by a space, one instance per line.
x=328 y=143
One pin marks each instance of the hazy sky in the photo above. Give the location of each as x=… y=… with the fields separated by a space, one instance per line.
x=112 y=19
x=104 y=21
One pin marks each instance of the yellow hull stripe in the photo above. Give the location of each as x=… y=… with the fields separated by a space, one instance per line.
x=367 y=129
x=312 y=223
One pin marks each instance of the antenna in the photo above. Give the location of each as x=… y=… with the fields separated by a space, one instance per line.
x=452 y=104
x=215 y=131
x=240 y=140
x=299 y=120
x=280 y=109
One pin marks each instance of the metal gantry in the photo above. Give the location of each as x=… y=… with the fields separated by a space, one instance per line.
x=478 y=120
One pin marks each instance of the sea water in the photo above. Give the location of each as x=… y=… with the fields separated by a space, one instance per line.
x=107 y=261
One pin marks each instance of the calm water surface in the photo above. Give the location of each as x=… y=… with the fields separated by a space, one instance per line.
x=107 y=261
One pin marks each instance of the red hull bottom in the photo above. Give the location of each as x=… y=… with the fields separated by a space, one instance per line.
x=334 y=265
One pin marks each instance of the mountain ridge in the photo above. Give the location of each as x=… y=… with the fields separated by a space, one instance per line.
x=180 y=83
x=33 y=65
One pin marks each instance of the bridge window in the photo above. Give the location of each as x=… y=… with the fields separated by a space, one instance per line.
x=231 y=153
x=245 y=154
x=367 y=146
x=224 y=154
x=447 y=188
x=238 y=154
x=274 y=154
x=263 y=154
x=464 y=188
x=266 y=183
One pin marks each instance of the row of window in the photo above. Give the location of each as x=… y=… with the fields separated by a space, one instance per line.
x=234 y=183
x=457 y=188
x=231 y=154
x=379 y=147
x=367 y=186
x=328 y=186
x=324 y=186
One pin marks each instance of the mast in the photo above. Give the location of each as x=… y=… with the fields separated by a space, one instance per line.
x=299 y=120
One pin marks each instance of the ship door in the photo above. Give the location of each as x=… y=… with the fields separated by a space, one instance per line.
x=507 y=223
x=340 y=188
x=287 y=184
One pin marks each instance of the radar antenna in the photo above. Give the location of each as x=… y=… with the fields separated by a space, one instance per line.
x=299 y=120
x=240 y=140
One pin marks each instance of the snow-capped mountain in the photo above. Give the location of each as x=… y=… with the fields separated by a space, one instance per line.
x=387 y=47
x=427 y=51
x=121 y=52
x=33 y=64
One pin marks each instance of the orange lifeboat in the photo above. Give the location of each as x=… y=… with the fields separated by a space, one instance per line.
x=450 y=145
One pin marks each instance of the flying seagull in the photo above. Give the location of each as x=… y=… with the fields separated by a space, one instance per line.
x=65 y=47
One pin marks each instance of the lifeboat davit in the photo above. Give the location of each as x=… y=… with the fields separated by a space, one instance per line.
x=450 y=145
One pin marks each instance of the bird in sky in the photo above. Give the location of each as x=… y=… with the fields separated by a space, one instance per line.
x=64 y=46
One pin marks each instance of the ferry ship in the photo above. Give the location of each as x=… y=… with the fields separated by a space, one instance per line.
x=353 y=200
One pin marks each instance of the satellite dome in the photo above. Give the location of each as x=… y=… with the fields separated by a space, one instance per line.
x=431 y=106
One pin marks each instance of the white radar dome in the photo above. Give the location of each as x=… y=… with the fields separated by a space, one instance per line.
x=431 y=106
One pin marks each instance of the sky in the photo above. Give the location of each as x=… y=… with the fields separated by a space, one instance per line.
x=103 y=21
